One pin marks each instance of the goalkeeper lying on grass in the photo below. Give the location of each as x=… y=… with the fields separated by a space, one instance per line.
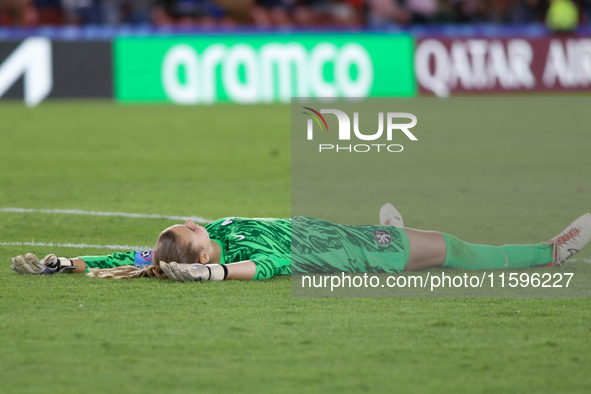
x=242 y=248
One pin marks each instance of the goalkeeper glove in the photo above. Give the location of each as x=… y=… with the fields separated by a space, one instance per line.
x=194 y=272
x=30 y=264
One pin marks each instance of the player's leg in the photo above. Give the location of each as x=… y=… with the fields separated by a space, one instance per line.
x=427 y=249
x=430 y=249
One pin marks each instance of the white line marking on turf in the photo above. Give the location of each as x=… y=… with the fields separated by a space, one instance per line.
x=79 y=246
x=96 y=213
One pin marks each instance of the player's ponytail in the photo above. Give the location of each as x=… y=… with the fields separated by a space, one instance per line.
x=126 y=272
x=169 y=247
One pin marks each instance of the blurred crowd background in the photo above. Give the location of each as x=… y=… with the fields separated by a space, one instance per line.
x=285 y=13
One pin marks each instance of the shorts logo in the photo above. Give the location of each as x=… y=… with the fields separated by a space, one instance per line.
x=382 y=237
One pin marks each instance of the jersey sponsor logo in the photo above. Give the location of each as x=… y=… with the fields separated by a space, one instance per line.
x=382 y=237
x=143 y=259
x=238 y=236
x=227 y=221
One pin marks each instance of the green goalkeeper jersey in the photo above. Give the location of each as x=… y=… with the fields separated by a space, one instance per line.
x=266 y=242
x=301 y=244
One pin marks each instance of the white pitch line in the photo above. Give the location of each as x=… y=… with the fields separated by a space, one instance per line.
x=96 y=213
x=79 y=246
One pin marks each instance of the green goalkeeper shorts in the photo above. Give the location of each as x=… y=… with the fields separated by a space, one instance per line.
x=322 y=247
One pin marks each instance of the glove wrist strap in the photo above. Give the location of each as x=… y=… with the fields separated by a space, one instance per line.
x=217 y=271
x=64 y=265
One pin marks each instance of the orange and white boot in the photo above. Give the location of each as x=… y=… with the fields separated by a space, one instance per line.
x=390 y=216
x=571 y=240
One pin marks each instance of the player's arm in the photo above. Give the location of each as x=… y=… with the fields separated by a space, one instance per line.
x=259 y=267
x=242 y=270
x=30 y=264
x=80 y=263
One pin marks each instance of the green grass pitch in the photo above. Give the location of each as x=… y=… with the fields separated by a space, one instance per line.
x=71 y=334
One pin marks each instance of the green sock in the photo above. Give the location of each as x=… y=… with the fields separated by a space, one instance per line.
x=461 y=254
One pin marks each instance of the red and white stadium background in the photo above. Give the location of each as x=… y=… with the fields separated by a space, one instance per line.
x=445 y=66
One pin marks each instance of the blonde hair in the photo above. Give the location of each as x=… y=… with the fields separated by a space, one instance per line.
x=169 y=247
